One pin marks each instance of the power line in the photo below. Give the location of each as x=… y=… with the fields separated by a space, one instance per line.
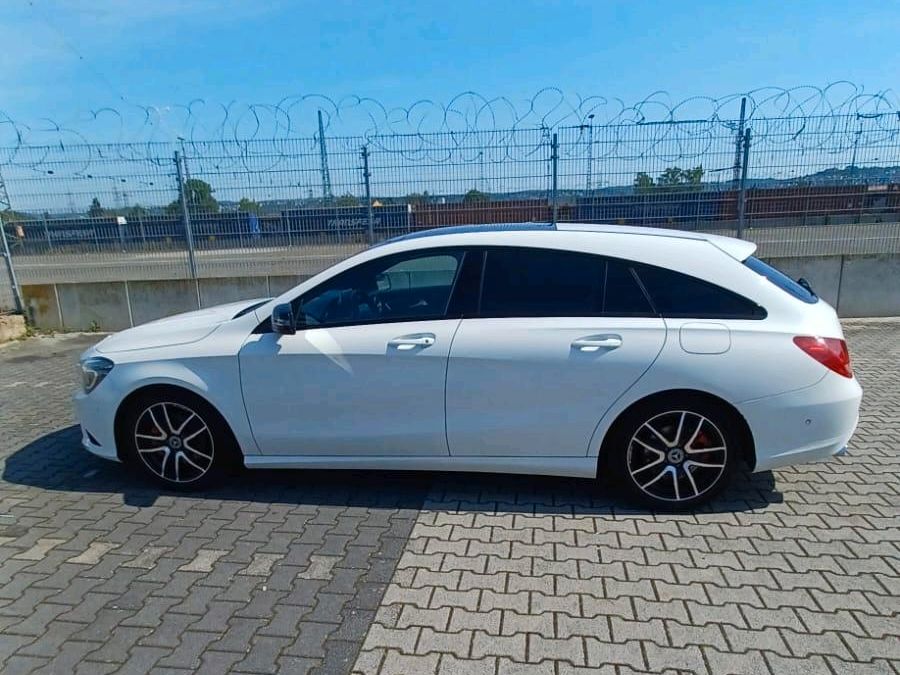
x=71 y=46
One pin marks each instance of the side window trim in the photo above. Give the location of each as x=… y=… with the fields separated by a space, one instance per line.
x=462 y=294
x=634 y=275
x=484 y=260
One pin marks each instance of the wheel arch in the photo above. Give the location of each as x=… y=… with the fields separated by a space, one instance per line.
x=148 y=389
x=748 y=445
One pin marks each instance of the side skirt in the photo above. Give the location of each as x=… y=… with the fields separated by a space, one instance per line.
x=577 y=467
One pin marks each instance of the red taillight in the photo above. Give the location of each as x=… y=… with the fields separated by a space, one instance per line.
x=830 y=352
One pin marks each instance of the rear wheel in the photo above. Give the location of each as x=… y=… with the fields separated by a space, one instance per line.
x=178 y=439
x=674 y=453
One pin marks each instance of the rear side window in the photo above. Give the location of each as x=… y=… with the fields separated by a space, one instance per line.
x=782 y=280
x=622 y=294
x=541 y=282
x=680 y=295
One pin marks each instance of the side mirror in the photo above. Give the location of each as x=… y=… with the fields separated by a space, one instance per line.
x=283 y=319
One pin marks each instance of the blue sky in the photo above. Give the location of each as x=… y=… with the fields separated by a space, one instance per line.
x=61 y=59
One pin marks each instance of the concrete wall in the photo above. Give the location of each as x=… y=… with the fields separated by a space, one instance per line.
x=219 y=291
x=855 y=285
x=94 y=306
x=870 y=286
x=114 y=305
x=155 y=299
x=823 y=274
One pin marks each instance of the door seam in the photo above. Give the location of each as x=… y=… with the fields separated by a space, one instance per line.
x=446 y=376
x=634 y=384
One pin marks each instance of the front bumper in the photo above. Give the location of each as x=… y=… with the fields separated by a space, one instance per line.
x=96 y=416
x=806 y=425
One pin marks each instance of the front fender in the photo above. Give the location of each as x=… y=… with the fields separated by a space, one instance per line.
x=214 y=379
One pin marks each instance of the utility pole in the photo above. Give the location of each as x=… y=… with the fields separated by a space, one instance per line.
x=323 y=162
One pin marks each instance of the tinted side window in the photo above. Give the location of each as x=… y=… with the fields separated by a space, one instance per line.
x=541 y=282
x=396 y=288
x=782 y=280
x=622 y=294
x=679 y=295
x=466 y=291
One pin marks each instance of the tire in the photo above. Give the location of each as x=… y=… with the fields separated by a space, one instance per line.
x=674 y=452
x=177 y=439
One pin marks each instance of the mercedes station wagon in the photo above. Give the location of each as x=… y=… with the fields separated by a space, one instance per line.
x=658 y=359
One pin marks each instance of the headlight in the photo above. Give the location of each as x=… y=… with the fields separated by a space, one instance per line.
x=93 y=370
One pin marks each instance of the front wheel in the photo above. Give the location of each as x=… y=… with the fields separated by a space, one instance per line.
x=178 y=439
x=675 y=453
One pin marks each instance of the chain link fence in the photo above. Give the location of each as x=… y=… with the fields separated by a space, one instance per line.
x=797 y=186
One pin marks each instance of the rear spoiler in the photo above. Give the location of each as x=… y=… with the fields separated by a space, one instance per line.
x=739 y=249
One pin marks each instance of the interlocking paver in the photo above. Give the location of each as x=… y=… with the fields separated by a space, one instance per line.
x=98 y=565
x=796 y=571
x=805 y=567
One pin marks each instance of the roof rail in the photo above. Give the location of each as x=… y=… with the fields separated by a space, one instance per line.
x=467 y=229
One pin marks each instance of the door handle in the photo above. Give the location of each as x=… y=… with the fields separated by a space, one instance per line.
x=407 y=342
x=594 y=343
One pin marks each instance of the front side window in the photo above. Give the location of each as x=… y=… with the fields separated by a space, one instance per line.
x=402 y=287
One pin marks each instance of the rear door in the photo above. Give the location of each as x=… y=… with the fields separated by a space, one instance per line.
x=557 y=337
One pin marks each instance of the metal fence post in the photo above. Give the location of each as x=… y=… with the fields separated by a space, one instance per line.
x=742 y=188
x=46 y=231
x=185 y=214
x=17 y=296
x=739 y=140
x=554 y=161
x=366 y=176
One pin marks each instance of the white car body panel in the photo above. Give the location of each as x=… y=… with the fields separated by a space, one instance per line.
x=346 y=390
x=337 y=397
x=521 y=387
x=574 y=467
x=180 y=329
x=208 y=368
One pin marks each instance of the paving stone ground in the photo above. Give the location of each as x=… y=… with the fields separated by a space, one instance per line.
x=100 y=572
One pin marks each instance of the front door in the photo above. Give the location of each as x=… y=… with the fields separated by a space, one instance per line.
x=365 y=372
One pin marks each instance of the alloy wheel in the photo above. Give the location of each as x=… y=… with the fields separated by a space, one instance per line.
x=174 y=442
x=677 y=456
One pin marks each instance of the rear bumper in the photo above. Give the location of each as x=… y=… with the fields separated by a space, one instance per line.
x=807 y=425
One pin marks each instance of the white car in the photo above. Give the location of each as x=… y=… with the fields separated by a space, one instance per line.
x=660 y=359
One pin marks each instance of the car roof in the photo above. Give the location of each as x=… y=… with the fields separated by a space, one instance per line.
x=738 y=249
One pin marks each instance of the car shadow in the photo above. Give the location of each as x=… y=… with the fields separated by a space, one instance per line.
x=56 y=461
